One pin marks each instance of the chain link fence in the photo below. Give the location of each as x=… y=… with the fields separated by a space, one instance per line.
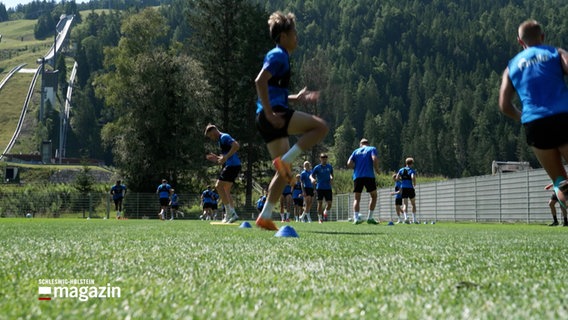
x=505 y=197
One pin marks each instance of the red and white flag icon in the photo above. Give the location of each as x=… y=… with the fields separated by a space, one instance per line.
x=44 y=293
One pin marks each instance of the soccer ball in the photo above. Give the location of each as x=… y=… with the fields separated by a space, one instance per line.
x=29 y=215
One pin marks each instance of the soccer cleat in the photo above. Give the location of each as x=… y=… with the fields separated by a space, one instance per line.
x=233 y=218
x=266 y=224
x=553 y=224
x=372 y=221
x=357 y=221
x=284 y=170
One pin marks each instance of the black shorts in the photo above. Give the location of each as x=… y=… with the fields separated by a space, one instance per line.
x=547 y=133
x=299 y=202
x=267 y=131
x=370 y=185
x=408 y=193
x=164 y=202
x=309 y=192
x=398 y=201
x=229 y=173
x=214 y=206
x=175 y=206
x=118 y=201
x=207 y=205
x=325 y=195
x=553 y=197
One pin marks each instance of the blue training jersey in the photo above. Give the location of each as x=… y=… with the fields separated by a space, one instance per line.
x=297 y=190
x=174 y=199
x=305 y=179
x=118 y=191
x=406 y=176
x=260 y=202
x=207 y=196
x=225 y=142
x=398 y=186
x=363 y=159
x=164 y=191
x=215 y=197
x=287 y=189
x=277 y=62
x=323 y=173
x=538 y=78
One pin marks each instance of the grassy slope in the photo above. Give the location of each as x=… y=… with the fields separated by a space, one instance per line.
x=191 y=269
x=14 y=51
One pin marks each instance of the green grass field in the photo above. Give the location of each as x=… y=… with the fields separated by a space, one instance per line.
x=194 y=270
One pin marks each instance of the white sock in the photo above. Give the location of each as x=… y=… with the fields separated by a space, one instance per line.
x=371 y=212
x=292 y=154
x=267 y=210
x=287 y=215
x=414 y=217
x=355 y=215
x=404 y=214
x=282 y=216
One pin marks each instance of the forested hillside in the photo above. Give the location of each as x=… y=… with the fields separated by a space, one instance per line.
x=421 y=78
x=416 y=78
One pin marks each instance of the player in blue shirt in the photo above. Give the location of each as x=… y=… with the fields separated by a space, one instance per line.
x=231 y=167
x=260 y=203
x=275 y=120
x=307 y=191
x=536 y=75
x=118 y=191
x=365 y=163
x=163 y=192
x=407 y=177
x=400 y=210
x=322 y=177
x=207 y=203
x=286 y=204
x=174 y=204
x=297 y=198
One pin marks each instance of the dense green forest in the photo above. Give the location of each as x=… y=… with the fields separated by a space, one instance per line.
x=417 y=78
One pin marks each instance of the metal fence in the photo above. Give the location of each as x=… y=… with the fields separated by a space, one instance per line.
x=92 y=205
x=506 y=197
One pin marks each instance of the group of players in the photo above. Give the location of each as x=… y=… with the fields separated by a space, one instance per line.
x=535 y=75
x=297 y=196
x=169 y=201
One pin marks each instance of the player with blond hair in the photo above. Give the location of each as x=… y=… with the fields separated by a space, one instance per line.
x=275 y=120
